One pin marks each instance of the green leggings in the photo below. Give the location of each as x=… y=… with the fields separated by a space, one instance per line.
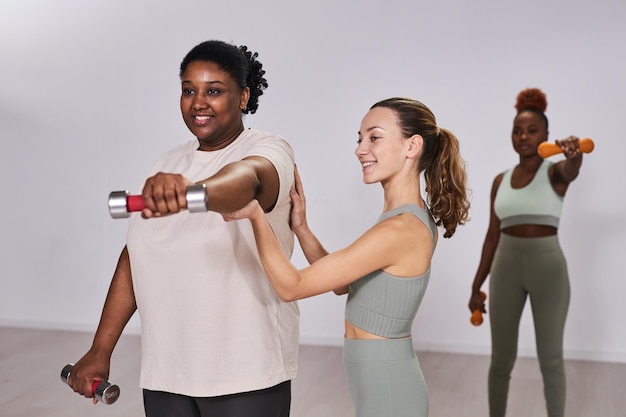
x=385 y=378
x=535 y=268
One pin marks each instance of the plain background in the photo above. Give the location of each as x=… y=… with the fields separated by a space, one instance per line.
x=89 y=100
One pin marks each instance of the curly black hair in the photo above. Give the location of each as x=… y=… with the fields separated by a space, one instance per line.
x=239 y=62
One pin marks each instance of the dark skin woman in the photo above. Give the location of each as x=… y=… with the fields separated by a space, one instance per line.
x=522 y=255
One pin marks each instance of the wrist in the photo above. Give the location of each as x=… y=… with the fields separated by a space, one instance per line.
x=197 y=198
x=101 y=351
x=301 y=229
x=258 y=213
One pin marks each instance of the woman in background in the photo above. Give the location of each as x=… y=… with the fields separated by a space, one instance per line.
x=522 y=254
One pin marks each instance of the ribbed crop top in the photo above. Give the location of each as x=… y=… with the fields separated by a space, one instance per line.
x=386 y=305
x=536 y=203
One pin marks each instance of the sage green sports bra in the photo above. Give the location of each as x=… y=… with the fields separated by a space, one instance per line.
x=386 y=305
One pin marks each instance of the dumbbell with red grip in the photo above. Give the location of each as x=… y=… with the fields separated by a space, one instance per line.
x=104 y=391
x=121 y=203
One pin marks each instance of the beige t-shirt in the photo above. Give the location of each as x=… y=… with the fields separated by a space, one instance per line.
x=211 y=323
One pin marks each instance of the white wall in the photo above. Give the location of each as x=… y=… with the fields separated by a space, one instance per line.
x=89 y=99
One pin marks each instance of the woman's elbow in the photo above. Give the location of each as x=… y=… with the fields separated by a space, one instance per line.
x=341 y=291
x=287 y=296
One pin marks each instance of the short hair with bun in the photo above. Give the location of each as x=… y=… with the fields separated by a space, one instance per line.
x=532 y=100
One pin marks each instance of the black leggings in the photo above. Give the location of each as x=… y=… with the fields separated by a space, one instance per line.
x=270 y=402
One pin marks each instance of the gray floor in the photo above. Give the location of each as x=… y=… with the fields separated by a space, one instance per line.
x=31 y=361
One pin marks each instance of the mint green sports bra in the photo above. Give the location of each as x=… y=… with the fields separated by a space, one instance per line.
x=536 y=203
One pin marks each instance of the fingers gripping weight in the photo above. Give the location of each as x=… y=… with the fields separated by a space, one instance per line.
x=104 y=391
x=121 y=203
x=477 y=315
x=549 y=149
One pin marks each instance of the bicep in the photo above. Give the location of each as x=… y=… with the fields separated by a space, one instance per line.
x=268 y=181
x=237 y=183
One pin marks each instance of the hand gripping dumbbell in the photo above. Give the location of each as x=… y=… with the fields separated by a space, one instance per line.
x=547 y=149
x=104 y=391
x=121 y=203
x=477 y=315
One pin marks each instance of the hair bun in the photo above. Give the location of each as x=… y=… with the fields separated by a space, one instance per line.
x=531 y=99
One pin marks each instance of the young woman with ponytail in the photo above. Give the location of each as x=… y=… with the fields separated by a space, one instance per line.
x=522 y=255
x=386 y=270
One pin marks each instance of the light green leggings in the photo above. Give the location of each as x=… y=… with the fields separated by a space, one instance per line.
x=385 y=378
x=535 y=268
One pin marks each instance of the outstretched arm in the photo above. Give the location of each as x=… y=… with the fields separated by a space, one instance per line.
x=370 y=252
x=231 y=188
x=282 y=274
x=310 y=244
x=565 y=171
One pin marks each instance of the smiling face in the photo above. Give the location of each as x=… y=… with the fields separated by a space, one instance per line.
x=529 y=130
x=211 y=103
x=381 y=146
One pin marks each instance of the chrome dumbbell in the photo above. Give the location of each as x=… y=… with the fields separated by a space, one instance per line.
x=121 y=203
x=104 y=391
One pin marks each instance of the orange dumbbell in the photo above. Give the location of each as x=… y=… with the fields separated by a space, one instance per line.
x=477 y=315
x=546 y=149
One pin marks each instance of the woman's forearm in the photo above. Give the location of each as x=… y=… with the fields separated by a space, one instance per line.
x=118 y=308
x=283 y=276
x=310 y=244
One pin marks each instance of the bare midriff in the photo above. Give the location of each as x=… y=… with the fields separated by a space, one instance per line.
x=353 y=332
x=530 y=230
